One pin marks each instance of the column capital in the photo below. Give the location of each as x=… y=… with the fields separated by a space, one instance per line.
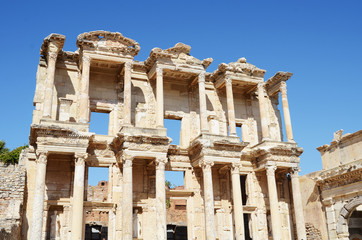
x=270 y=170
x=206 y=164
x=235 y=168
x=52 y=55
x=42 y=156
x=201 y=77
x=294 y=172
x=159 y=70
x=161 y=161
x=283 y=87
x=79 y=158
x=86 y=59
x=128 y=65
x=127 y=160
x=261 y=85
x=228 y=80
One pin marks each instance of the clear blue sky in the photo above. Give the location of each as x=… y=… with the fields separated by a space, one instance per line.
x=319 y=41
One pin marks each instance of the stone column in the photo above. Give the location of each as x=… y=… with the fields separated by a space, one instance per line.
x=78 y=196
x=237 y=201
x=127 y=93
x=230 y=104
x=127 y=198
x=263 y=115
x=273 y=203
x=287 y=121
x=159 y=97
x=38 y=199
x=161 y=199
x=202 y=99
x=208 y=200
x=49 y=84
x=298 y=206
x=84 y=91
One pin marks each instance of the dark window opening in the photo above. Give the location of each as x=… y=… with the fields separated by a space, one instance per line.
x=176 y=232
x=244 y=196
x=96 y=232
x=246 y=226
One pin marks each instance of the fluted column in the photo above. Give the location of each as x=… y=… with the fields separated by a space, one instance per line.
x=298 y=206
x=287 y=120
x=202 y=99
x=127 y=198
x=78 y=196
x=49 y=84
x=84 y=91
x=38 y=200
x=263 y=116
x=274 y=203
x=230 y=105
x=208 y=200
x=237 y=201
x=161 y=199
x=127 y=93
x=159 y=97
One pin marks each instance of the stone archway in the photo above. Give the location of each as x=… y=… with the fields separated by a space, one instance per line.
x=345 y=213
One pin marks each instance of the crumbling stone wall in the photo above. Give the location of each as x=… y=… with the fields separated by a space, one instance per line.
x=312 y=232
x=12 y=184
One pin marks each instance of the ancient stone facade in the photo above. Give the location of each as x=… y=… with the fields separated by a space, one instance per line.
x=333 y=196
x=234 y=188
x=12 y=188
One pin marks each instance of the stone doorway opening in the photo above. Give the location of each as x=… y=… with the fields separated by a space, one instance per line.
x=355 y=224
x=96 y=232
x=176 y=232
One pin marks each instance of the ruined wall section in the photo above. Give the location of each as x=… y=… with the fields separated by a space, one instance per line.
x=12 y=186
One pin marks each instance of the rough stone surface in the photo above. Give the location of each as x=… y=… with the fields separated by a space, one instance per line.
x=12 y=186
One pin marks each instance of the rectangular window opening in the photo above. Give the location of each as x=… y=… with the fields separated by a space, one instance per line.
x=97 y=184
x=99 y=123
x=175 y=179
x=173 y=127
x=246 y=226
x=238 y=131
x=244 y=196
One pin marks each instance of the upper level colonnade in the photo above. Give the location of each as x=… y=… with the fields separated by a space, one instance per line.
x=103 y=76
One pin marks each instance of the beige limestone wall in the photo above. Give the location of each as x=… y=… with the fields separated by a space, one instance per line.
x=314 y=211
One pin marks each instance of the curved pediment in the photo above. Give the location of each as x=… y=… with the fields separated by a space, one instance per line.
x=111 y=42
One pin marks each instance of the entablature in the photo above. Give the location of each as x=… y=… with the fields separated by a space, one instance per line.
x=273 y=84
